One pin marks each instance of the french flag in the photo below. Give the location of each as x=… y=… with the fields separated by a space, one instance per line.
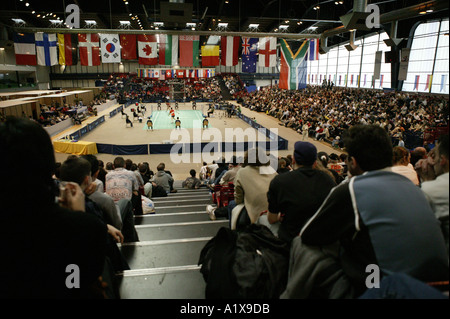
x=25 y=49
x=313 y=50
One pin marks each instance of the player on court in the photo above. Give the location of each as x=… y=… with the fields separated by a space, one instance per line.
x=178 y=123
x=149 y=125
x=172 y=114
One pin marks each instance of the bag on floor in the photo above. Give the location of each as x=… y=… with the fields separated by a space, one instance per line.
x=249 y=264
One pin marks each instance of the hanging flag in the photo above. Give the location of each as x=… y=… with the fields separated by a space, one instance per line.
x=156 y=74
x=168 y=74
x=180 y=73
x=351 y=80
x=189 y=50
x=24 y=48
x=293 y=67
x=68 y=49
x=46 y=49
x=358 y=80
x=210 y=55
x=381 y=80
x=443 y=82
x=88 y=44
x=313 y=50
x=365 y=79
x=249 y=50
x=267 y=52
x=147 y=49
x=345 y=80
x=428 y=83
x=230 y=50
x=168 y=49
x=110 y=48
x=312 y=78
x=416 y=83
x=340 y=78
x=128 y=46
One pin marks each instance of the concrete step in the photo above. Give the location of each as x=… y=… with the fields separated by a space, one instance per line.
x=180 y=230
x=163 y=253
x=180 y=208
x=181 y=202
x=180 y=217
x=181 y=282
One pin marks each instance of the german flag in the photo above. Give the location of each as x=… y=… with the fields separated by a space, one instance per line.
x=68 y=49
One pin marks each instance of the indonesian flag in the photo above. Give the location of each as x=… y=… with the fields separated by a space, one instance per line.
x=230 y=49
x=267 y=52
x=148 y=49
x=89 y=49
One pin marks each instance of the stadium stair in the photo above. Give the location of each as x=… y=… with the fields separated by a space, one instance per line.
x=226 y=95
x=164 y=262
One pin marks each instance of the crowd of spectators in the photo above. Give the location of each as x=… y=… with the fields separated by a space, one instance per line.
x=132 y=87
x=330 y=112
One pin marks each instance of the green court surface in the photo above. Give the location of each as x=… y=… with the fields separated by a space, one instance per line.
x=189 y=119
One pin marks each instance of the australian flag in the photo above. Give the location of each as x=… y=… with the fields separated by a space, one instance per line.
x=249 y=57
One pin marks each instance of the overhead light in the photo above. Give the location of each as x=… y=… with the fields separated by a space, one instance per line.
x=18 y=21
x=253 y=25
x=223 y=25
x=158 y=24
x=27 y=4
x=429 y=10
x=312 y=28
x=190 y=25
x=55 y=21
x=125 y=22
x=90 y=22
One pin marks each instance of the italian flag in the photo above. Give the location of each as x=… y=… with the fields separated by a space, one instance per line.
x=293 y=67
x=168 y=49
x=189 y=50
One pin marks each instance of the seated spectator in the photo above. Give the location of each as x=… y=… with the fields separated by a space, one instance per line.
x=364 y=222
x=191 y=182
x=402 y=166
x=294 y=197
x=120 y=214
x=122 y=183
x=162 y=179
x=251 y=184
x=78 y=170
x=230 y=174
x=436 y=189
x=31 y=267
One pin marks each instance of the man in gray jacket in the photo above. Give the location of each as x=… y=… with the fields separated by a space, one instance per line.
x=162 y=179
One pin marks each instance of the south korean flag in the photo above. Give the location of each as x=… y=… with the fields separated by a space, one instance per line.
x=110 y=48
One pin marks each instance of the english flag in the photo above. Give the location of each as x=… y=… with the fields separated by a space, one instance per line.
x=148 y=49
x=267 y=52
x=89 y=47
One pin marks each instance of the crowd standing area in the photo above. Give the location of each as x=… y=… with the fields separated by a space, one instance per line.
x=371 y=223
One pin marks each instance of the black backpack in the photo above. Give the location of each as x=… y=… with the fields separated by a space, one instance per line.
x=248 y=264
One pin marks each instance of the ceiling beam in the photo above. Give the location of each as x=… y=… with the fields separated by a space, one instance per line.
x=175 y=32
